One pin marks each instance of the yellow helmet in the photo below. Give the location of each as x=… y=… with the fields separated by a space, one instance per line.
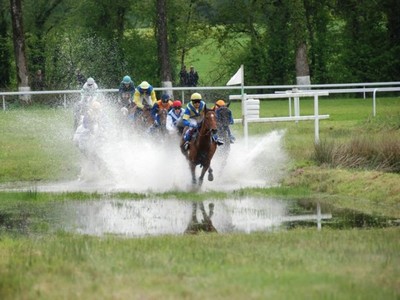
x=220 y=103
x=195 y=96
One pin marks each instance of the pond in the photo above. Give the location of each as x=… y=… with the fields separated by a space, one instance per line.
x=152 y=217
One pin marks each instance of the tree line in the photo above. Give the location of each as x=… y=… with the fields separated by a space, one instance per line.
x=278 y=41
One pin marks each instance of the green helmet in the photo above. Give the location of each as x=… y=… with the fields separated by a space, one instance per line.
x=126 y=79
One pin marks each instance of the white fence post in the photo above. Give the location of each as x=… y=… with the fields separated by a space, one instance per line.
x=316 y=120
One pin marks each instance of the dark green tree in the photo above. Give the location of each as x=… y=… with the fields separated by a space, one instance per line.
x=18 y=34
x=5 y=52
x=391 y=9
x=40 y=17
x=299 y=36
x=320 y=38
x=366 y=52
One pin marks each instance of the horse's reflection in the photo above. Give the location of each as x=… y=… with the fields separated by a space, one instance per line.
x=205 y=225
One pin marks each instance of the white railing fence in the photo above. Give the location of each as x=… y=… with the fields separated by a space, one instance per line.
x=278 y=92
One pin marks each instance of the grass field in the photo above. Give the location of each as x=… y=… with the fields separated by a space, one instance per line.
x=298 y=264
x=301 y=263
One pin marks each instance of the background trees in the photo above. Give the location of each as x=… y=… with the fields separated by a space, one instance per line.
x=18 y=35
x=331 y=40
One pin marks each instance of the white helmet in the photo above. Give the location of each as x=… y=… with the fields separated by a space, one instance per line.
x=90 y=81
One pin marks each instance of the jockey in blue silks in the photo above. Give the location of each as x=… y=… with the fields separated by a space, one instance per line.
x=224 y=117
x=192 y=118
x=174 y=118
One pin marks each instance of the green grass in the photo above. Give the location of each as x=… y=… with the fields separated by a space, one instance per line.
x=36 y=145
x=297 y=264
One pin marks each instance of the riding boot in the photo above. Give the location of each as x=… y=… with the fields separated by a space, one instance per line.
x=187 y=137
x=217 y=140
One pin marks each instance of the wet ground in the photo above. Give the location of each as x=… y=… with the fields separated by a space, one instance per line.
x=137 y=218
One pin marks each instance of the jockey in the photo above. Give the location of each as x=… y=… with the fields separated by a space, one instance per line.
x=144 y=97
x=126 y=90
x=88 y=95
x=192 y=118
x=173 y=118
x=164 y=103
x=219 y=107
x=89 y=88
x=90 y=136
x=88 y=131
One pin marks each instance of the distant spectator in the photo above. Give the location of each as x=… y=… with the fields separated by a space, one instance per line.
x=183 y=76
x=193 y=77
x=38 y=84
x=80 y=78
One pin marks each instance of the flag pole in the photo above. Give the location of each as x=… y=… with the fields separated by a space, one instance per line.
x=244 y=118
x=238 y=78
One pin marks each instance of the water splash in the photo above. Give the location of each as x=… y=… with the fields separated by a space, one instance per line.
x=141 y=164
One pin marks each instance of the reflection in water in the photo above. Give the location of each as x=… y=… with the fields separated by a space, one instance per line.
x=166 y=216
x=205 y=224
x=135 y=218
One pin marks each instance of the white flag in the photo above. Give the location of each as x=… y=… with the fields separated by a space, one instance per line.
x=237 y=78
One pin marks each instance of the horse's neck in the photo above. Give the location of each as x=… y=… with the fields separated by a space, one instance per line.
x=163 y=116
x=203 y=129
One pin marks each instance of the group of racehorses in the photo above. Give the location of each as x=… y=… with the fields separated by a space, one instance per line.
x=202 y=147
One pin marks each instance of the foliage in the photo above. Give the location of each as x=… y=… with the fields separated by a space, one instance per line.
x=346 y=41
x=5 y=47
x=368 y=46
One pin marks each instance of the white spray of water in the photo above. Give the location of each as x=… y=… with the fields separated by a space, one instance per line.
x=137 y=163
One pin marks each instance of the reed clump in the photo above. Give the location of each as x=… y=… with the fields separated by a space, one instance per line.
x=374 y=146
x=367 y=152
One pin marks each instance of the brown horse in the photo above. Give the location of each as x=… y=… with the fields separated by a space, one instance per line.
x=162 y=113
x=143 y=119
x=202 y=148
x=159 y=131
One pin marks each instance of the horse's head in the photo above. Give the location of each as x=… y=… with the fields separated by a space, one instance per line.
x=163 y=112
x=210 y=121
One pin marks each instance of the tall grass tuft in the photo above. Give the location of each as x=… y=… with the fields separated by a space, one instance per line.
x=381 y=153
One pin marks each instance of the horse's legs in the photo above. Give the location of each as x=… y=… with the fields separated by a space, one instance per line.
x=193 y=171
x=210 y=174
x=203 y=172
